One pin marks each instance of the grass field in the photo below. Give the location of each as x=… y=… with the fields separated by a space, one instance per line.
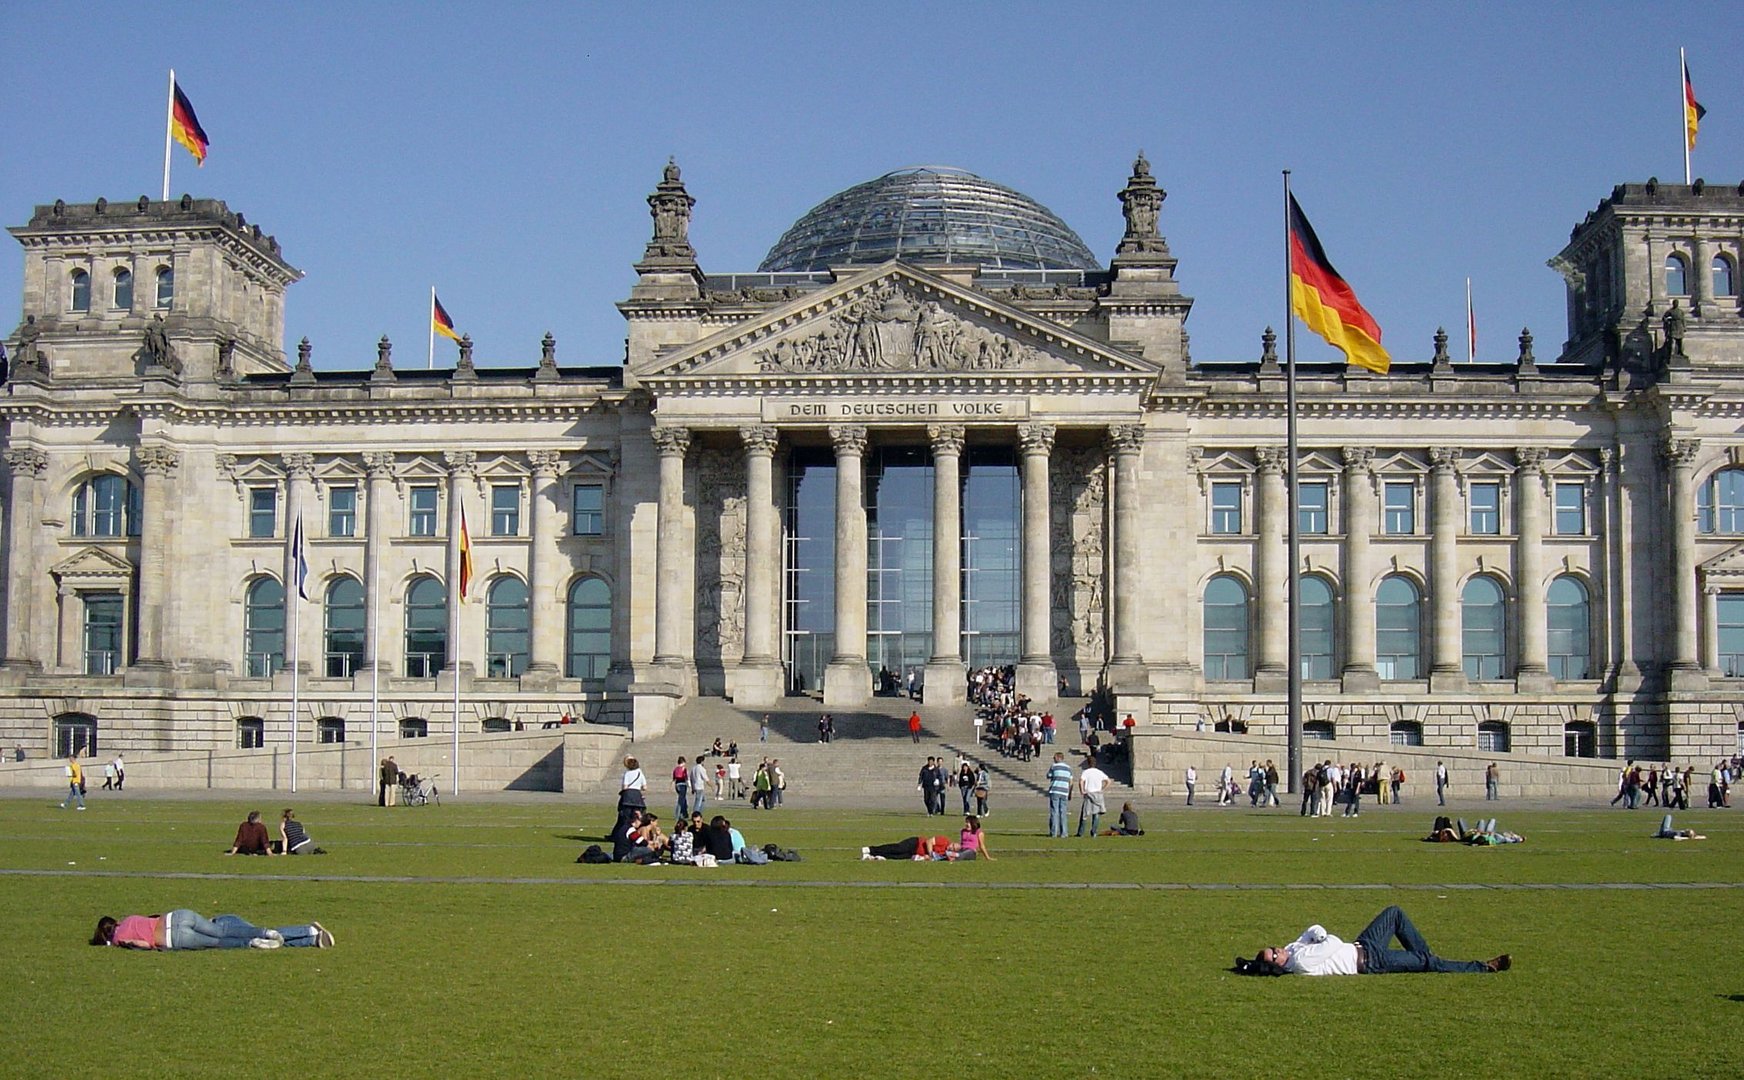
x=471 y=944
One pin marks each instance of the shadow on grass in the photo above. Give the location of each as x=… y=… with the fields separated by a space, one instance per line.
x=1739 y=998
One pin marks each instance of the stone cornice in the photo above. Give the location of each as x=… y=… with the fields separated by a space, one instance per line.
x=1345 y=408
x=1005 y=382
x=49 y=413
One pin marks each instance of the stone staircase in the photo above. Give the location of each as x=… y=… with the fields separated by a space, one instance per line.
x=872 y=762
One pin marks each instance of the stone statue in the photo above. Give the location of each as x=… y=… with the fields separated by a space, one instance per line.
x=28 y=355
x=1674 y=328
x=670 y=206
x=4 y=367
x=157 y=350
x=1140 y=202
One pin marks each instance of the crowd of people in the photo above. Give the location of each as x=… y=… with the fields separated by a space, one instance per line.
x=1669 y=788
x=1328 y=783
x=693 y=779
x=638 y=837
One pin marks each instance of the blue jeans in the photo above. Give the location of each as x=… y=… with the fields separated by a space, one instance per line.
x=191 y=930
x=1377 y=939
x=1092 y=808
x=73 y=792
x=1056 y=814
x=683 y=808
x=701 y=798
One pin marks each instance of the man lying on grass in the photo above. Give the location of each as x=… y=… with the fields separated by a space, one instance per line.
x=1318 y=953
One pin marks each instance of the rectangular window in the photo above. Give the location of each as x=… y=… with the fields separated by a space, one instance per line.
x=342 y=511
x=587 y=515
x=1484 y=502
x=1312 y=518
x=1225 y=509
x=103 y=630
x=263 y=513
x=1571 y=509
x=505 y=510
x=1401 y=509
x=423 y=503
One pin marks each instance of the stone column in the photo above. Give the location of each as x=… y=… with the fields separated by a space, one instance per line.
x=23 y=521
x=847 y=679
x=1036 y=674
x=1358 y=608
x=1680 y=457
x=1272 y=568
x=1447 y=672
x=1701 y=287
x=156 y=464
x=70 y=652
x=1711 y=620
x=306 y=621
x=1532 y=671
x=1610 y=649
x=945 y=683
x=758 y=681
x=377 y=524
x=1126 y=666
x=669 y=649
x=462 y=469
x=545 y=603
x=1655 y=273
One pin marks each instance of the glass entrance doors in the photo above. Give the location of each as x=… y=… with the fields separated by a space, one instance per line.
x=808 y=579
x=899 y=559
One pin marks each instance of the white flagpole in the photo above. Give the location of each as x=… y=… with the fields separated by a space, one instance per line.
x=1683 y=112
x=1471 y=326
x=169 y=123
x=292 y=598
x=430 y=360
x=374 y=659
x=454 y=783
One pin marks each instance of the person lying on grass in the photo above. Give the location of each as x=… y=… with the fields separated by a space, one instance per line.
x=1666 y=832
x=1318 y=953
x=918 y=848
x=183 y=929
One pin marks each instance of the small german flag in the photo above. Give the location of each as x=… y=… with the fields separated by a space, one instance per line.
x=1322 y=299
x=1692 y=110
x=439 y=320
x=185 y=126
x=465 y=556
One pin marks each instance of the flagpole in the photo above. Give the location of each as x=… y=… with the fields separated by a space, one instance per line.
x=430 y=361
x=1293 y=706
x=374 y=654
x=1682 y=111
x=1471 y=326
x=169 y=123
x=291 y=598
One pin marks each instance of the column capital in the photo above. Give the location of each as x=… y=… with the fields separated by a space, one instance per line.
x=1608 y=461
x=26 y=461
x=299 y=466
x=1036 y=438
x=546 y=464
x=157 y=460
x=672 y=441
x=1127 y=438
x=1358 y=460
x=379 y=464
x=946 y=438
x=1530 y=459
x=849 y=438
x=1443 y=458
x=460 y=462
x=1679 y=452
x=760 y=439
x=1270 y=459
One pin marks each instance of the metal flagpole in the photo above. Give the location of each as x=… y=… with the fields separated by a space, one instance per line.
x=1682 y=111
x=430 y=359
x=1294 y=548
x=292 y=598
x=1471 y=326
x=454 y=629
x=374 y=658
x=169 y=123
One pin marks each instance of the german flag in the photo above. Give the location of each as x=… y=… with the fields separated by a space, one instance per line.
x=1692 y=110
x=439 y=320
x=465 y=556
x=185 y=126
x=1320 y=297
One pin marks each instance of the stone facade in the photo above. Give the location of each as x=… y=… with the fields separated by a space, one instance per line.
x=1524 y=557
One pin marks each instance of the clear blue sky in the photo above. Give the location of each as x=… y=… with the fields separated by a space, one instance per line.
x=502 y=152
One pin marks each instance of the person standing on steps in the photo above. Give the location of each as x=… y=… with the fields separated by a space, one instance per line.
x=698 y=784
x=914 y=727
x=763 y=729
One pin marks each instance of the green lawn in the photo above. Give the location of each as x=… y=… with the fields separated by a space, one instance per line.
x=504 y=956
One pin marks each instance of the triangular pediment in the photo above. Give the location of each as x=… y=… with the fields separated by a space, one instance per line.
x=1727 y=564
x=92 y=563
x=893 y=321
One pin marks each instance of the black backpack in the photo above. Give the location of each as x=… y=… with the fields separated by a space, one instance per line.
x=593 y=854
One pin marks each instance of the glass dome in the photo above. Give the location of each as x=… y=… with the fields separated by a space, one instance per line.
x=930 y=215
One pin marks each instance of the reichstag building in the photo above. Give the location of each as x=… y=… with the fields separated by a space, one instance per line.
x=931 y=431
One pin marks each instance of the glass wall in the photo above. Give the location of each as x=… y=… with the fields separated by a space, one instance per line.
x=992 y=547
x=808 y=580
x=899 y=558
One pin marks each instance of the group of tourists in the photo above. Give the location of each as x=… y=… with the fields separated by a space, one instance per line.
x=692 y=779
x=1669 y=788
x=1328 y=783
x=638 y=837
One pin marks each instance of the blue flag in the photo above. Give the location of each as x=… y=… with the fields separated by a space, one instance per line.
x=299 y=564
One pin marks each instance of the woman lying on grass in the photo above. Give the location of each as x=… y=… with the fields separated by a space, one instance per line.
x=183 y=929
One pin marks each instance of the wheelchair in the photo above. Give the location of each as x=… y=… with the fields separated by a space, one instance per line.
x=416 y=790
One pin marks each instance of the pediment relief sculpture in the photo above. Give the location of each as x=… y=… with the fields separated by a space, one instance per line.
x=888 y=330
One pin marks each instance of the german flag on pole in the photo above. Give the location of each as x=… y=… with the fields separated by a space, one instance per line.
x=1692 y=110
x=185 y=126
x=465 y=556
x=1320 y=297
x=439 y=320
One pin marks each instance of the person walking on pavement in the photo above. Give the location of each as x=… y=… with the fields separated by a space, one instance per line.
x=75 y=783
x=1440 y=783
x=1192 y=782
x=914 y=727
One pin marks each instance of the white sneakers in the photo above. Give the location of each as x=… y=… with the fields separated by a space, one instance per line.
x=323 y=936
x=265 y=943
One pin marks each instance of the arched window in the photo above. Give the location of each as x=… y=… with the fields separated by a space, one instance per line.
x=263 y=629
x=344 y=619
x=106 y=505
x=1580 y=738
x=590 y=629
x=124 y=290
x=75 y=735
x=330 y=729
x=1720 y=503
x=1569 y=633
x=1493 y=737
x=1398 y=628
x=1676 y=275
x=414 y=727
x=1319 y=729
x=1229 y=725
x=250 y=733
x=1225 y=629
x=1725 y=282
x=1405 y=733
x=506 y=629
x=426 y=628
x=1729 y=632
x=166 y=287
x=496 y=724
x=1483 y=616
x=80 y=299
x=1318 y=637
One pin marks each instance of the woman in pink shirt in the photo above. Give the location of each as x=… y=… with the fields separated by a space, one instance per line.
x=184 y=929
x=973 y=842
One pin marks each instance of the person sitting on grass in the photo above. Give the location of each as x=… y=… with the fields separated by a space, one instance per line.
x=1128 y=824
x=717 y=840
x=973 y=842
x=294 y=839
x=682 y=849
x=183 y=929
x=1318 y=953
x=918 y=848
x=251 y=838
x=623 y=834
x=1666 y=832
